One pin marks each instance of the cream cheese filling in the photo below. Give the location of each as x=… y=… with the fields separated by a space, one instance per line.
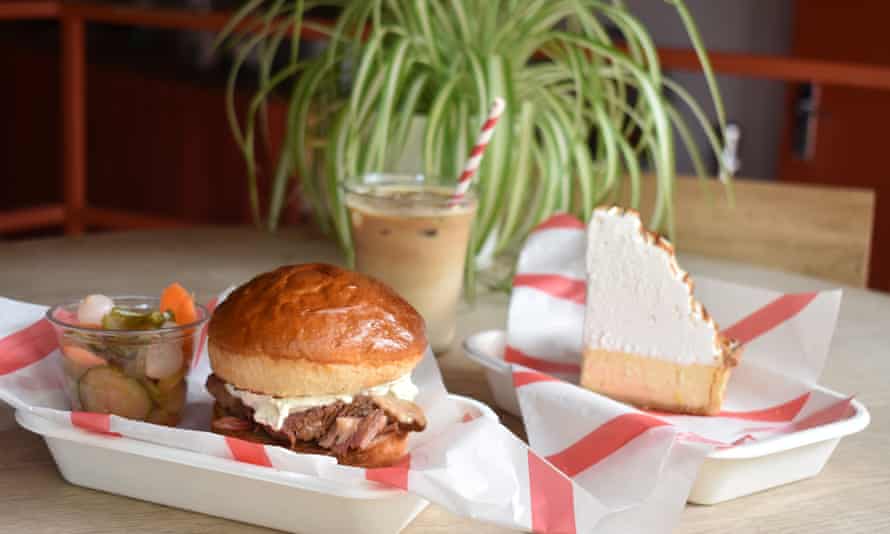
x=272 y=411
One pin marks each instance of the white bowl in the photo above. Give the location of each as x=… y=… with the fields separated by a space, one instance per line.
x=269 y=497
x=726 y=473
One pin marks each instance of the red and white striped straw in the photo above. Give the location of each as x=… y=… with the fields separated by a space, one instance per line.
x=466 y=177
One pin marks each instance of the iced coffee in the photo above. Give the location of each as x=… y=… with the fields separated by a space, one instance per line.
x=409 y=233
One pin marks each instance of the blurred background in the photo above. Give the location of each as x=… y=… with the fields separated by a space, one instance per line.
x=803 y=81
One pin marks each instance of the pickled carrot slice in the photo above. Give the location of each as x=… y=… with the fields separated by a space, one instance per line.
x=82 y=357
x=177 y=299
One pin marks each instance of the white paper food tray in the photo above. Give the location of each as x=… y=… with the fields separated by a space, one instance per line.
x=726 y=473
x=183 y=479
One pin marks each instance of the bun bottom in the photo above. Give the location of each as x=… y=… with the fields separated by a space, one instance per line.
x=385 y=451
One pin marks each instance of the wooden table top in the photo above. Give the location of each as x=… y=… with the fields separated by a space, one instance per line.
x=851 y=495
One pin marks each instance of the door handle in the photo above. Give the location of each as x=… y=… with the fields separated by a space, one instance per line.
x=806 y=118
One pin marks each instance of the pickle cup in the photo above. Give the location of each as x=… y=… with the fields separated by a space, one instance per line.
x=409 y=232
x=138 y=374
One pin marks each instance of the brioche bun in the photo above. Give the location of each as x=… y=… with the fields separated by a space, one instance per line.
x=314 y=329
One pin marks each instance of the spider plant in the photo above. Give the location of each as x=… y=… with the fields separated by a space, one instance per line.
x=587 y=104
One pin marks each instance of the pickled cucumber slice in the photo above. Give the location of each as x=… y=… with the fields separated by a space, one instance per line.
x=124 y=319
x=108 y=390
x=174 y=399
x=169 y=398
x=134 y=366
x=157 y=396
x=168 y=383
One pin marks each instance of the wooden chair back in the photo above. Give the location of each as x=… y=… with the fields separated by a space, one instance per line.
x=820 y=231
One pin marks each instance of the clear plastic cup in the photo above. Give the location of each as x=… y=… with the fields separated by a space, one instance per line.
x=408 y=233
x=139 y=374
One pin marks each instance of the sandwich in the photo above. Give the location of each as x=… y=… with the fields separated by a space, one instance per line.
x=317 y=359
x=647 y=340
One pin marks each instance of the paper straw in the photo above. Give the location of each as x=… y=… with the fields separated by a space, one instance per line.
x=466 y=177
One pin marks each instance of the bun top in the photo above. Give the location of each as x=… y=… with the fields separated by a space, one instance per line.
x=319 y=314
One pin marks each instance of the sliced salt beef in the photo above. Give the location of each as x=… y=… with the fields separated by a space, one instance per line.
x=228 y=402
x=231 y=424
x=338 y=426
x=341 y=432
x=308 y=425
x=364 y=435
x=406 y=413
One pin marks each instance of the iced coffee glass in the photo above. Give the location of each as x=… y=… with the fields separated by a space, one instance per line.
x=408 y=233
